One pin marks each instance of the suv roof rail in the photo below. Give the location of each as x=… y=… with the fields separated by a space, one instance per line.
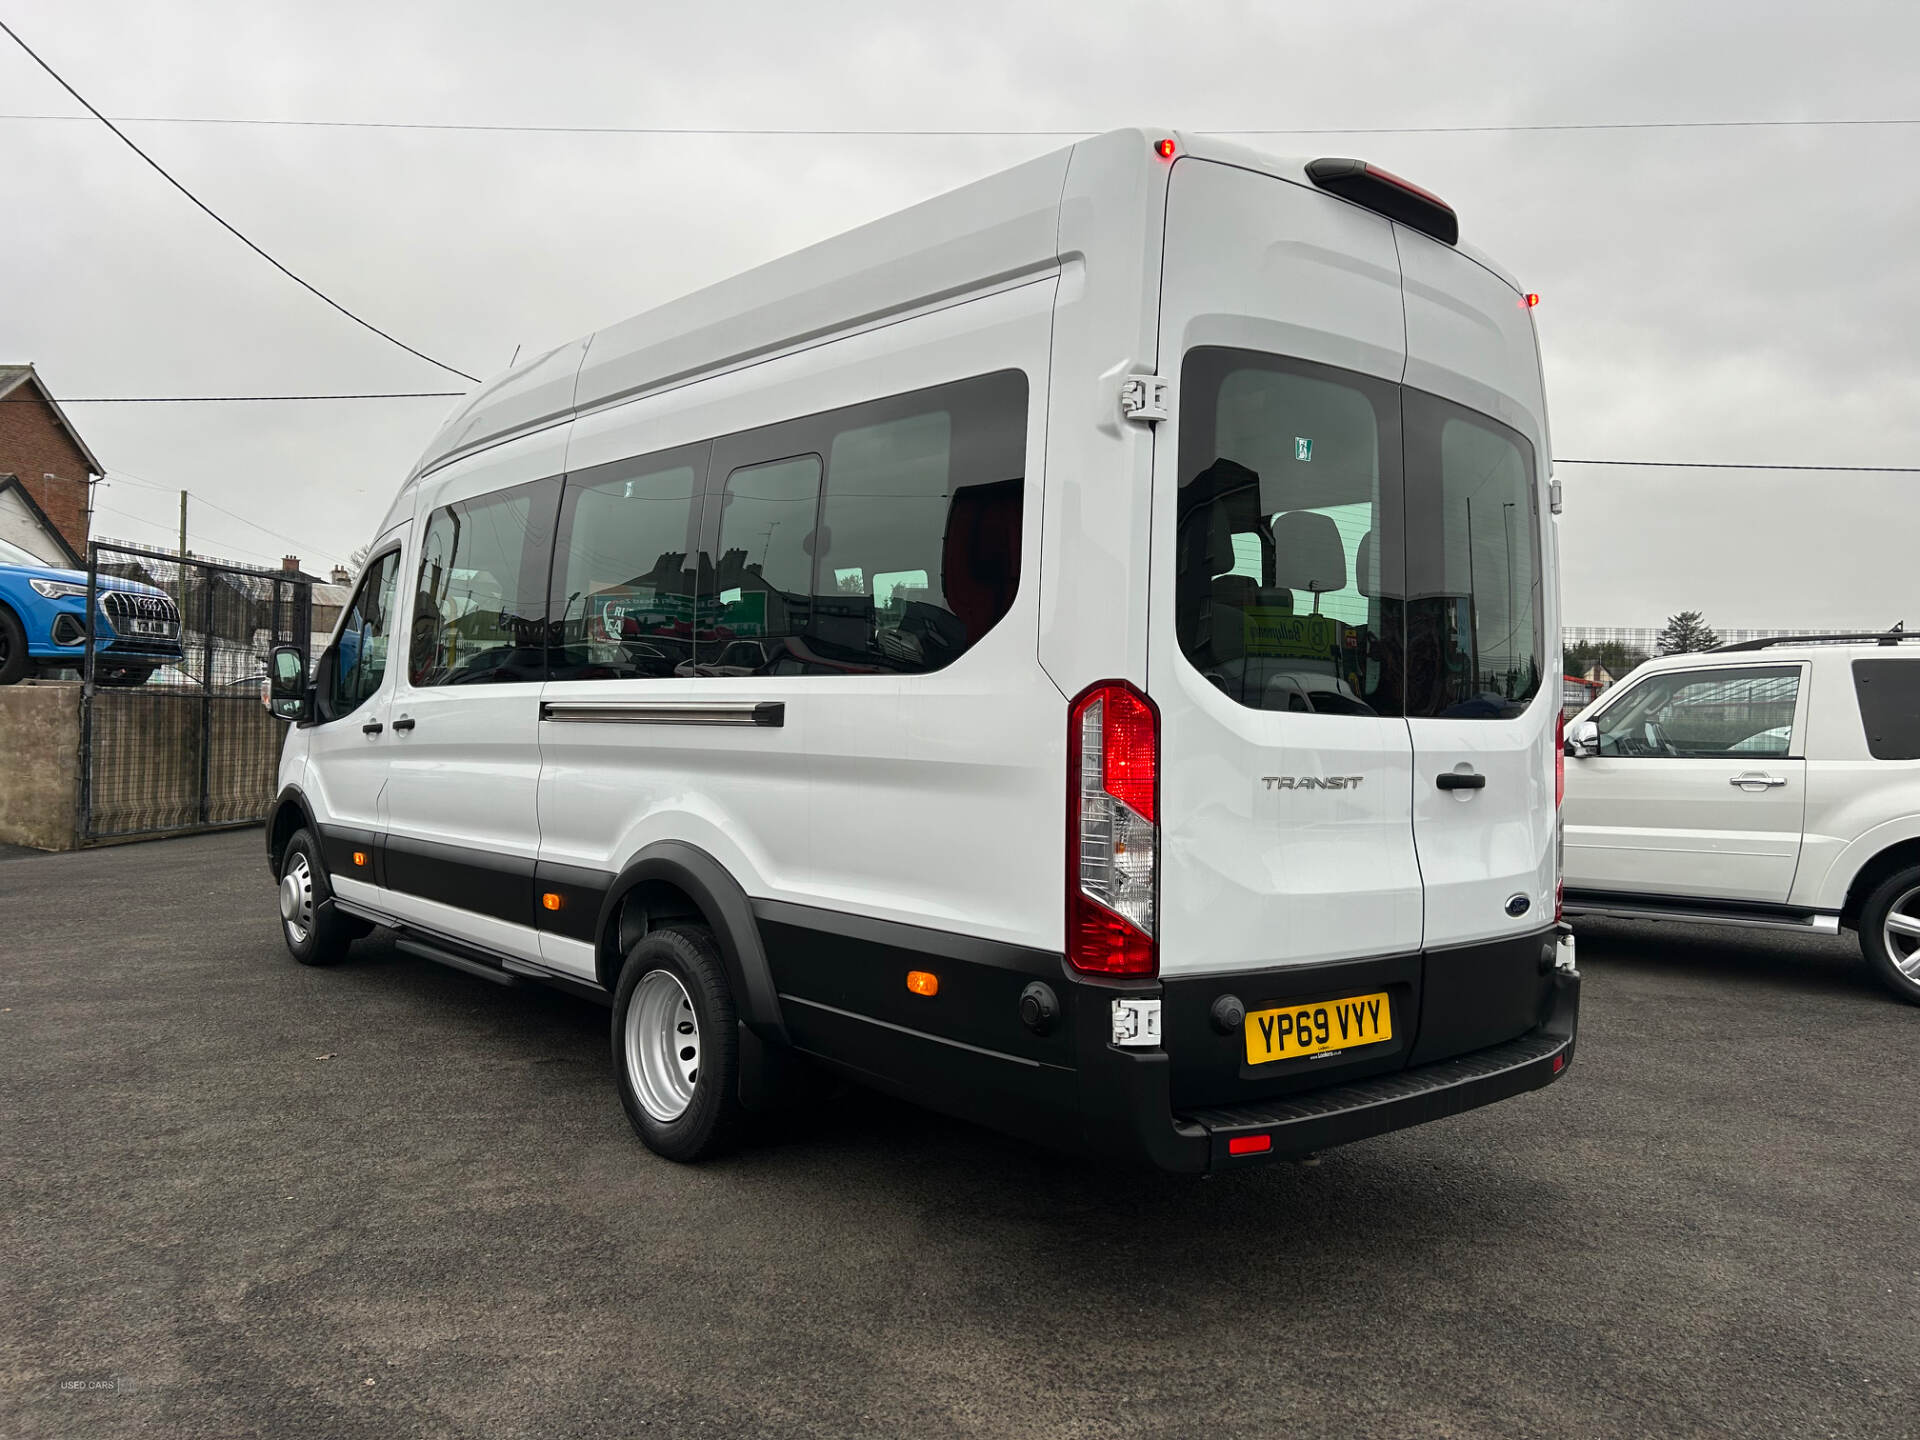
x=1891 y=636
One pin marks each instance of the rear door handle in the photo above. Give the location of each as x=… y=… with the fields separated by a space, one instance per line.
x=404 y=723
x=1757 y=782
x=1460 y=780
x=372 y=727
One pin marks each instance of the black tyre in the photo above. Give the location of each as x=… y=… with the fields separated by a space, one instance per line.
x=676 y=1044
x=1890 y=932
x=316 y=933
x=13 y=648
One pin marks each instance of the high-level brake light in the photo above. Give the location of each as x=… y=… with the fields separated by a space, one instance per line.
x=1113 y=754
x=1389 y=195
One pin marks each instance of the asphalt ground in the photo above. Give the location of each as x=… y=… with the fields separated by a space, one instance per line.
x=246 y=1198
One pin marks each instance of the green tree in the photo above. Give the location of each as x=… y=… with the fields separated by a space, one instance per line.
x=1685 y=633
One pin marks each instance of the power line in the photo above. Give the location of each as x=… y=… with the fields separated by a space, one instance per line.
x=234 y=399
x=161 y=171
x=127 y=477
x=859 y=132
x=1737 y=465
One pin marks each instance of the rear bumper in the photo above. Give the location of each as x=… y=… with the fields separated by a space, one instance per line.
x=1145 y=1126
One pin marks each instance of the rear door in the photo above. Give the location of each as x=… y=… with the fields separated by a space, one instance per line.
x=1481 y=602
x=1699 y=789
x=1274 y=657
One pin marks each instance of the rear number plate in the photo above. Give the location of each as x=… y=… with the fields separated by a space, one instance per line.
x=1325 y=1027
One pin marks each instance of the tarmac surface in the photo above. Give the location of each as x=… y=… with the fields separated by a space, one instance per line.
x=247 y=1198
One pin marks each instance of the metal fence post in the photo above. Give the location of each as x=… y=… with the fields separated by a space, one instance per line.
x=206 y=691
x=85 y=818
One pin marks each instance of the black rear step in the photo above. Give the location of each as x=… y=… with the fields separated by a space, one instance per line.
x=1318 y=1119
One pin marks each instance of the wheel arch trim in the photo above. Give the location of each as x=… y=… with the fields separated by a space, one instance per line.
x=727 y=910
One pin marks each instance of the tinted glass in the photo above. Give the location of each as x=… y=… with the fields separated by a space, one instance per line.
x=360 y=655
x=920 y=540
x=622 y=601
x=1474 y=645
x=1704 y=714
x=759 y=596
x=1288 y=551
x=1889 y=692
x=479 y=612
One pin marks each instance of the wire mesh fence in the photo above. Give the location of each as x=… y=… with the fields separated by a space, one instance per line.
x=173 y=733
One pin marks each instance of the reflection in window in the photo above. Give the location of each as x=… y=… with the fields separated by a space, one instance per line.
x=1286 y=505
x=1704 y=714
x=360 y=656
x=1474 y=614
x=479 y=615
x=763 y=578
x=623 y=603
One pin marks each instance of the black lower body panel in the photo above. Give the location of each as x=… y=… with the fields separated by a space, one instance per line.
x=1470 y=1027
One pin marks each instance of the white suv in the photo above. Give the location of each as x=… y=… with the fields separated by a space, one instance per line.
x=1775 y=783
x=1073 y=653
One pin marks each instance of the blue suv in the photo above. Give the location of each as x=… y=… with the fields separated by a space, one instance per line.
x=43 y=623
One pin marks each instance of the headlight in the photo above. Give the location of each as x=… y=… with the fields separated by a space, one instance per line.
x=58 y=589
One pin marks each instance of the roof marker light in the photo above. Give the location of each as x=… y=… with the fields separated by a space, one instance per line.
x=1531 y=299
x=1163 y=148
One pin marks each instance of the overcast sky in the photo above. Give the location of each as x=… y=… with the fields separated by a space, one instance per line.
x=1708 y=294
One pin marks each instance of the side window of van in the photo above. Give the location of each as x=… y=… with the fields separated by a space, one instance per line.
x=1287 y=550
x=622 y=605
x=479 y=611
x=360 y=654
x=760 y=594
x=882 y=538
x=920 y=528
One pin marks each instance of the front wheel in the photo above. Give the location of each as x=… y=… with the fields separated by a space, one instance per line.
x=1890 y=933
x=315 y=932
x=676 y=1044
x=13 y=648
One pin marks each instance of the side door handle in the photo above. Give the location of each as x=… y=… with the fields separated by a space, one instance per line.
x=1460 y=780
x=372 y=727
x=403 y=724
x=1752 y=781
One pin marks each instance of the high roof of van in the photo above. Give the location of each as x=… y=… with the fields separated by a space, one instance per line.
x=994 y=231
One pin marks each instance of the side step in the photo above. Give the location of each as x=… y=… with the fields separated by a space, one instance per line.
x=1807 y=922
x=506 y=970
x=499 y=975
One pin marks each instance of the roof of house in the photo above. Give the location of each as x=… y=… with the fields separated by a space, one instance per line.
x=12 y=377
x=11 y=485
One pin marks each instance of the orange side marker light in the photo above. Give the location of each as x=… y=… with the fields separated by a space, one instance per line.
x=551 y=901
x=923 y=982
x=359 y=857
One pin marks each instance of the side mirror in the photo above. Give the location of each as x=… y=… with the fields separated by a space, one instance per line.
x=288 y=695
x=1583 y=740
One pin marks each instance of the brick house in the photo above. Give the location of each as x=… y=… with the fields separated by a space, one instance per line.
x=52 y=465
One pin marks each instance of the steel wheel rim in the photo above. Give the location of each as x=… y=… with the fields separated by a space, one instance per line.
x=296 y=899
x=1901 y=934
x=663 y=1046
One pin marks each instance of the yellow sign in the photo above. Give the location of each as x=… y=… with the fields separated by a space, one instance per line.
x=1320 y=1028
x=1272 y=631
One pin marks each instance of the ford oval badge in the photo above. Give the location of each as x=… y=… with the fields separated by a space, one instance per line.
x=1518 y=906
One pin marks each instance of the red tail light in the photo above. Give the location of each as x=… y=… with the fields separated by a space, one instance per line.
x=1560 y=760
x=1113 y=765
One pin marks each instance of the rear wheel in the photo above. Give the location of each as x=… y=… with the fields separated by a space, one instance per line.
x=315 y=932
x=1890 y=933
x=676 y=1045
x=13 y=648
